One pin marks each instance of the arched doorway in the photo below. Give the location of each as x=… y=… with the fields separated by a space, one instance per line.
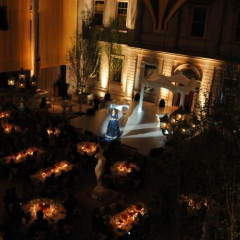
x=191 y=72
x=161 y=82
x=188 y=100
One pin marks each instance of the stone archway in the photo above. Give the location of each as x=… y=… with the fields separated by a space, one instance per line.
x=192 y=72
x=189 y=70
x=185 y=86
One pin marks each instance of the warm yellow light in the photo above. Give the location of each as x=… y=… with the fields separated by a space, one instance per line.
x=33 y=83
x=4 y=114
x=104 y=70
x=163 y=125
x=173 y=121
x=8 y=128
x=11 y=82
x=178 y=117
x=129 y=90
x=164 y=92
x=104 y=80
x=167 y=67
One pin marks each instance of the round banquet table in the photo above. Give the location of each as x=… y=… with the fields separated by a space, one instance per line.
x=89 y=147
x=53 y=210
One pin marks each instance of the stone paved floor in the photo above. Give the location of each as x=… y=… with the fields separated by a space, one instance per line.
x=139 y=130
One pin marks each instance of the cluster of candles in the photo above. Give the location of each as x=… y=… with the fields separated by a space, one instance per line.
x=127 y=218
x=195 y=202
x=123 y=168
x=88 y=147
x=22 y=155
x=62 y=166
x=165 y=125
x=8 y=128
x=49 y=207
x=53 y=131
x=176 y=121
x=5 y=114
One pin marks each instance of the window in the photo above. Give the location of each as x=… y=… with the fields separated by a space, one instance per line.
x=98 y=13
x=122 y=14
x=237 y=36
x=189 y=73
x=116 y=68
x=149 y=69
x=199 y=21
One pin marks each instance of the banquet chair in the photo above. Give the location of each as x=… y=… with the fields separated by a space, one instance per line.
x=40 y=236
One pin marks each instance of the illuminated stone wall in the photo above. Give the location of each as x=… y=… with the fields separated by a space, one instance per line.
x=175 y=37
x=166 y=64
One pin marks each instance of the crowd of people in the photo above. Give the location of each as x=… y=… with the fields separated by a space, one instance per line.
x=84 y=219
x=50 y=149
x=33 y=132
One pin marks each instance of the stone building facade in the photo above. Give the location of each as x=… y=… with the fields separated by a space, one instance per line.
x=195 y=37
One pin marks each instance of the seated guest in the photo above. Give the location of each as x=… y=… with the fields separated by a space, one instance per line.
x=58 y=230
x=96 y=103
x=29 y=165
x=12 y=163
x=43 y=103
x=11 y=196
x=7 y=197
x=40 y=224
x=50 y=180
x=70 y=204
x=12 y=169
x=97 y=220
x=107 y=96
x=162 y=103
x=137 y=97
x=118 y=207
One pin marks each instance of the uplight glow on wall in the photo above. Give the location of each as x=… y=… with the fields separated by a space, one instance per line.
x=104 y=73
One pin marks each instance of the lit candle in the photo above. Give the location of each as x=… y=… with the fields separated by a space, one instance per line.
x=173 y=121
x=49 y=131
x=178 y=117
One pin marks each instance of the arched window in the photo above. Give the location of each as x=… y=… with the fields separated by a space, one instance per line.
x=188 y=70
x=189 y=73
